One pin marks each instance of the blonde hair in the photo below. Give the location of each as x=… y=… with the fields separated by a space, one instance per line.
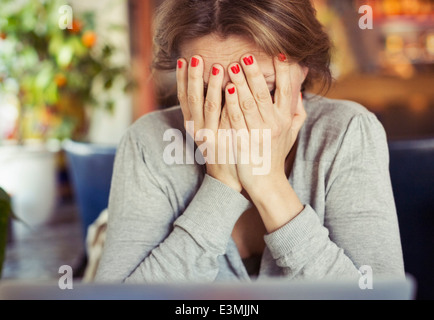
x=276 y=26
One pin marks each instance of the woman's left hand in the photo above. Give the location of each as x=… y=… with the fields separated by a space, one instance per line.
x=262 y=123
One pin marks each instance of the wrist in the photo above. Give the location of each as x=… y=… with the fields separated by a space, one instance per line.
x=266 y=185
x=228 y=181
x=277 y=203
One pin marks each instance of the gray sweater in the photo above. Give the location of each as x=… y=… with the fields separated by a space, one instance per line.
x=174 y=222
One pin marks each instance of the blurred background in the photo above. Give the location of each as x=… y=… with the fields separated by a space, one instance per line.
x=74 y=77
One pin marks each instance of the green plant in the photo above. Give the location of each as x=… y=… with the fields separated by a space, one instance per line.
x=54 y=71
x=5 y=215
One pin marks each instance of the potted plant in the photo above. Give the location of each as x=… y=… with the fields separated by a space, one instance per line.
x=50 y=79
x=55 y=73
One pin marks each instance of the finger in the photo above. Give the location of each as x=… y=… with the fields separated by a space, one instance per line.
x=247 y=102
x=181 y=81
x=213 y=100
x=288 y=85
x=258 y=86
x=195 y=96
x=225 y=123
x=236 y=116
x=299 y=116
x=224 y=136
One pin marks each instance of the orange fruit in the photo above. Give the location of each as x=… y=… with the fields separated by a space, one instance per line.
x=76 y=26
x=60 y=80
x=89 y=39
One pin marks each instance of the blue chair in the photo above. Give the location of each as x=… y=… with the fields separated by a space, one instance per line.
x=90 y=167
x=412 y=175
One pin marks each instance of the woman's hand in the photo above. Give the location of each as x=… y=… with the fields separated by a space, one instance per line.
x=204 y=117
x=261 y=124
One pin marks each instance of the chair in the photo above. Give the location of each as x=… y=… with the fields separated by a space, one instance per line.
x=412 y=175
x=90 y=167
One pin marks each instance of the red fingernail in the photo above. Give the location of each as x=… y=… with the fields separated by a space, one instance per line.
x=248 y=60
x=231 y=90
x=215 y=71
x=235 y=69
x=194 y=62
x=282 y=57
x=179 y=64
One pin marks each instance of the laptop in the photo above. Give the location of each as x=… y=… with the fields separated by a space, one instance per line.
x=273 y=289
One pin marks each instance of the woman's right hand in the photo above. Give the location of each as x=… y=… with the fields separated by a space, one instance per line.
x=208 y=116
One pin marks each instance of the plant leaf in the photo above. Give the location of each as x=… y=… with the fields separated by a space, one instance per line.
x=4 y=197
x=5 y=208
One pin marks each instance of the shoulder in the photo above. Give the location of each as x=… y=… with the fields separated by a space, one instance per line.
x=329 y=122
x=147 y=138
x=153 y=125
x=148 y=131
x=159 y=140
x=333 y=114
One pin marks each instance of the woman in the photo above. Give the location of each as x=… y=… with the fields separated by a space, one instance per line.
x=320 y=203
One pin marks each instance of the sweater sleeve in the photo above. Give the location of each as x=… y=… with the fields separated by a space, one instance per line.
x=147 y=241
x=360 y=222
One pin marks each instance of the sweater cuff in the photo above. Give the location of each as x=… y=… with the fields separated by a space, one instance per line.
x=212 y=214
x=296 y=232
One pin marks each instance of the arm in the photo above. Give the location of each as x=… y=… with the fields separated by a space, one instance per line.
x=147 y=241
x=360 y=226
x=360 y=220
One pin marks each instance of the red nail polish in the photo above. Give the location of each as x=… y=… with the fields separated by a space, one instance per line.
x=235 y=69
x=194 y=62
x=282 y=57
x=179 y=64
x=248 y=60
x=231 y=90
x=215 y=71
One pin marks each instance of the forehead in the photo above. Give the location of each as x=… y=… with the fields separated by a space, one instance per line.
x=224 y=51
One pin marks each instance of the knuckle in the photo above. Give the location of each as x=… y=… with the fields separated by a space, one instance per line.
x=257 y=74
x=192 y=99
x=181 y=97
x=194 y=75
x=284 y=90
x=248 y=104
x=262 y=96
x=210 y=106
x=236 y=117
x=225 y=115
x=239 y=81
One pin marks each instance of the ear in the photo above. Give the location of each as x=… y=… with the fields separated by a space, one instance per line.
x=305 y=71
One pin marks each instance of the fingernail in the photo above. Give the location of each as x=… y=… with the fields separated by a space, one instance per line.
x=231 y=90
x=248 y=60
x=215 y=71
x=282 y=57
x=194 y=62
x=235 y=69
x=179 y=64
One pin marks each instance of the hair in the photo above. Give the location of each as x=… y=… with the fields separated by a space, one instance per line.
x=276 y=26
